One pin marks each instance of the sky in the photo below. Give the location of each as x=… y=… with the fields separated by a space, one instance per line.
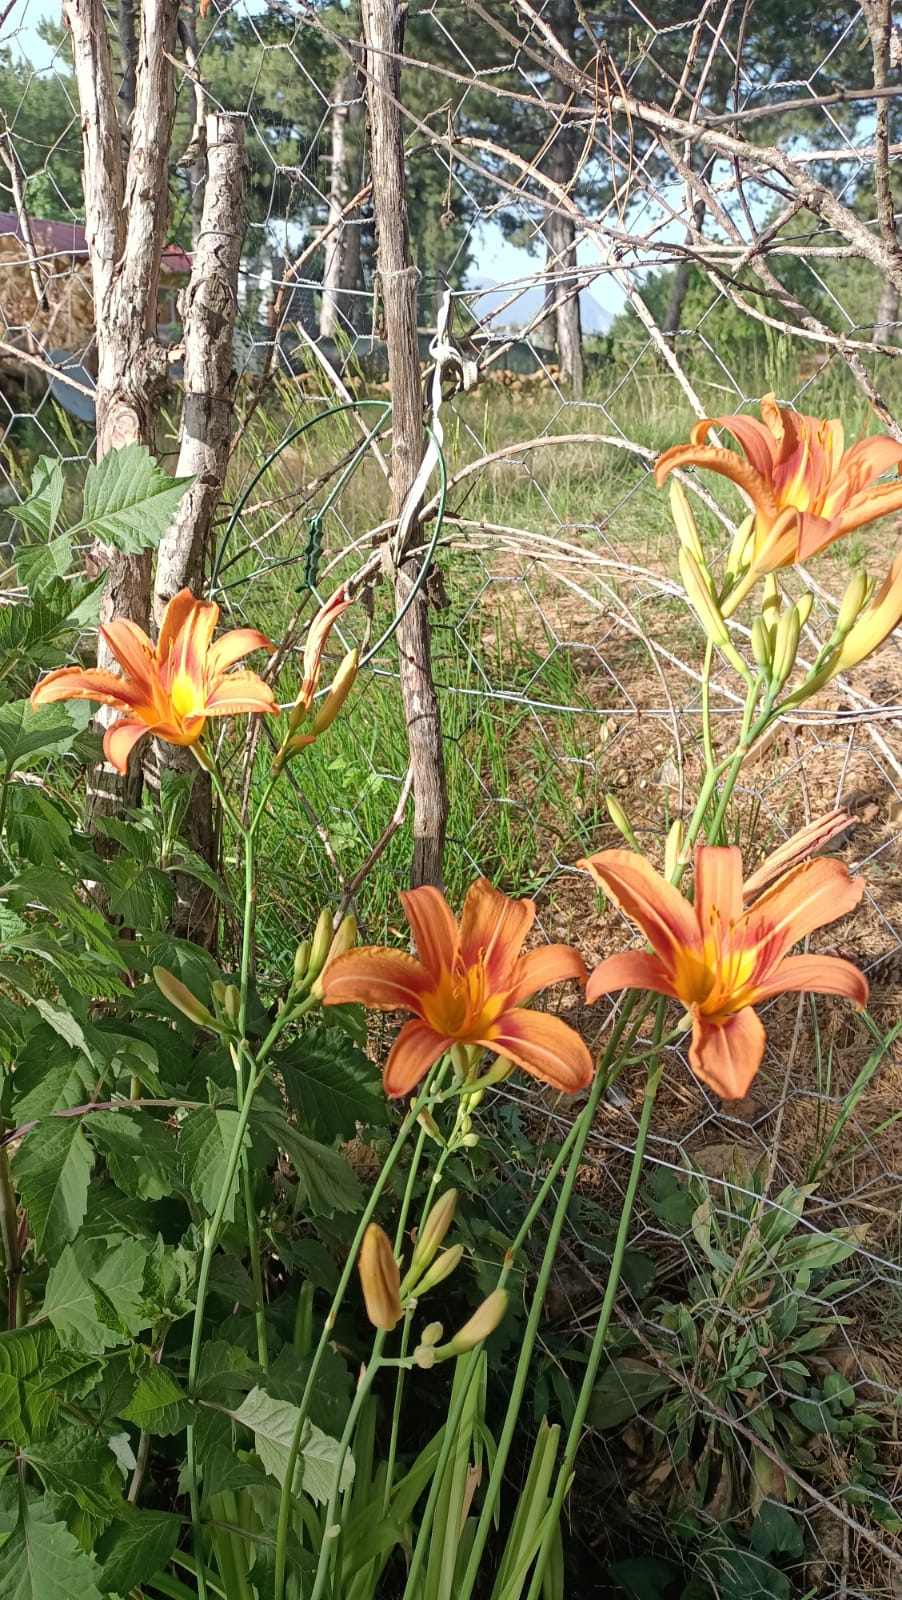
x=497 y=260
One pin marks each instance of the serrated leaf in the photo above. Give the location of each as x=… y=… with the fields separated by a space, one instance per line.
x=63 y=1023
x=331 y=1085
x=205 y=1140
x=158 y=1405
x=71 y=1305
x=51 y=1169
x=36 y=829
x=326 y=1180
x=140 y=1153
x=28 y=737
x=78 y=1463
x=133 y=1551
x=32 y=1366
x=120 y=1278
x=39 y=565
x=45 y=497
x=43 y=1561
x=128 y=501
x=272 y=1423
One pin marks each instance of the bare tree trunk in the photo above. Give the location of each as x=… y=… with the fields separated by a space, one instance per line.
x=195 y=156
x=209 y=308
x=128 y=50
x=383 y=26
x=560 y=227
x=126 y=218
x=338 y=190
x=352 y=284
x=878 y=14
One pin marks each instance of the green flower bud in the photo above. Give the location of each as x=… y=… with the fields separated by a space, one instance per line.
x=433 y=1232
x=852 y=601
x=446 y=1262
x=301 y=961
x=322 y=940
x=786 y=645
x=762 y=646
x=179 y=996
x=621 y=821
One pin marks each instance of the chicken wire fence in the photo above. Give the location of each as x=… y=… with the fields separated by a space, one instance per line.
x=722 y=178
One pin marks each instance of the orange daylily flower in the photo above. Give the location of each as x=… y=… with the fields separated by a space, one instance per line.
x=468 y=986
x=806 y=491
x=720 y=960
x=170 y=688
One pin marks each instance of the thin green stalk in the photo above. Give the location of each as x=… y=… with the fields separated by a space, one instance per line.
x=9 y=1236
x=707 y=739
x=330 y=1525
x=574 y=1436
x=422 y=1101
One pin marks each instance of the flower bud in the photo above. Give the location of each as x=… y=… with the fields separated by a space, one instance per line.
x=446 y=1262
x=431 y=1333
x=687 y=532
x=741 y=549
x=772 y=600
x=433 y=1232
x=380 y=1279
x=429 y=1125
x=338 y=694
x=852 y=601
x=232 y=1003
x=621 y=821
x=179 y=996
x=301 y=961
x=673 y=848
x=470 y=1141
x=702 y=600
x=762 y=646
x=786 y=646
x=485 y=1320
x=345 y=938
x=321 y=943
x=803 y=607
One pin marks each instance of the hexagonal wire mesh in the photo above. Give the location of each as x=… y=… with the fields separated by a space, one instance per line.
x=701 y=154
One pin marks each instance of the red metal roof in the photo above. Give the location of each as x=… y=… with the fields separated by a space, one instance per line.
x=68 y=239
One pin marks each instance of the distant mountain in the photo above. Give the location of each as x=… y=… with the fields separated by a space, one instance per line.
x=527 y=305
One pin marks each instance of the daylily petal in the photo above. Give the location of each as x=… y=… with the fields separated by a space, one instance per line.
x=77 y=683
x=374 y=976
x=188 y=655
x=808 y=897
x=727 y=1055
x=666 y=919
x=177 y=614
x=776 y=544
x=552 y=963
x=434 y=928
x=630 y=969
x=870 y=458
x=718 y=886
x=233 y=646
x=754 y=439
x=132 y=649
x=873 y=503
x=119 y=741
x=544 y=1046
x=239 y=691
x=414 y=1051
x=814 y=974
x=728 y=464
x=816 y=835
x=492 y=929
x=317 y=634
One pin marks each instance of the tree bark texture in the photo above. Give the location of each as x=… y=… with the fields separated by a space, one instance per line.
x=345 y=88
x=560 y=226
x=878 y=16
x=195 y=156
x=383 y=25
x=126 y=217
x=209 y=307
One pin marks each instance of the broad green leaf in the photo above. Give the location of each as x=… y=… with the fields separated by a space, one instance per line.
x=158 y=1404
x=32 y=1366
x=205 y=1140
x=135 y=1549
x=77 y=1462
x=40 y=511
x=71 y=1302
x=327 y=1181
x=624 y=1389
x=63 y=1023
x=140 y=1152
x=36 y=829
x=331 y=1084
x=42 y=1560
x=776 y=1532
x=120 y=1278
x=272 y=1423
x=51 y=1169
x=28 y=737
x=39 y=565
x=129 y=502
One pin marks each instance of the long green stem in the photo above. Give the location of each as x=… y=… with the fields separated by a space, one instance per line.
x=596 y=1352
x=422 y=1101
x=330 y=1527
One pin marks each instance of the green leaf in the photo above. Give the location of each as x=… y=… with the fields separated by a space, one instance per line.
x=331 y=1085
x=28 y=737
x=272 y=1422
x=71 y=1304
x=42 y=1560
x=51 y=1169
x=32 y=1365
x=205 y=1141
x=158 y=1405
x=78 y=1463
x=135 y=1549
x=326 y=1180
x=40 y=511
x=39 y=565
x=128 y=502
x=36 y=829
x=63 y=1023
x=776 y=1532
x=140 y=1152
x=623 y=1390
